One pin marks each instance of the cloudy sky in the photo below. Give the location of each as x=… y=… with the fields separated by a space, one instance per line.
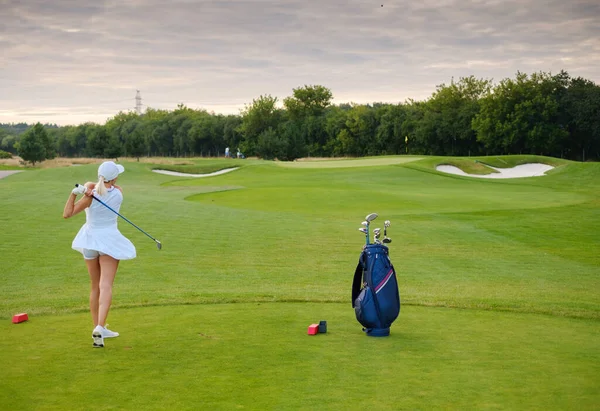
x=72 y=61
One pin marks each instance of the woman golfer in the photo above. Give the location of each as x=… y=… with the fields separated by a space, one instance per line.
x=100 y=242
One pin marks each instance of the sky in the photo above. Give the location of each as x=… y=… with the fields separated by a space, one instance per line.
x=74 y=61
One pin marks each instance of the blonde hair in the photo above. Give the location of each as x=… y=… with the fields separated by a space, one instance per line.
x=100 y=187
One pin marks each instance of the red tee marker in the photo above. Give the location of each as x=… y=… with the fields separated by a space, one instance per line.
x=19 y=318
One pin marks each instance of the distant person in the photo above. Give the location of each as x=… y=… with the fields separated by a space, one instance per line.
x=226 y=151
x=100 y=242
x=239 y=153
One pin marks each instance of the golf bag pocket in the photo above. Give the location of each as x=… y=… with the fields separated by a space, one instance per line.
x=365 y=310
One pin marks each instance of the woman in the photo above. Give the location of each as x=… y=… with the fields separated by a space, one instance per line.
x=100 y=241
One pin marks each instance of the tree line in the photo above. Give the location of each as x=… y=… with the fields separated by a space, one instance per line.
x=541 y=113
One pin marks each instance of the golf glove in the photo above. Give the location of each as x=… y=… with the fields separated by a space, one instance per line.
x=80 y=189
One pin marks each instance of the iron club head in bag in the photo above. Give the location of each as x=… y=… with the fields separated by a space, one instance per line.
x=371 y=217
x=386 y=240
x=368 y=219
x=376 y=235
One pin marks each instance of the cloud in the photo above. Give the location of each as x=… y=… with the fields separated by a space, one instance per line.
x=62 y=55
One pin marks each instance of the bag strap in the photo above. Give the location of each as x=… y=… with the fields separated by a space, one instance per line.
x=357 y=282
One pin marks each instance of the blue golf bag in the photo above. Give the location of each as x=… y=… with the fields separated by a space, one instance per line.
x=375 y=295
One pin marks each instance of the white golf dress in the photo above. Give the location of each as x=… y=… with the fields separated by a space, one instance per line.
x=100 y=231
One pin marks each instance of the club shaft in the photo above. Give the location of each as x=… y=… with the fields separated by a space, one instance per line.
x=117 y=213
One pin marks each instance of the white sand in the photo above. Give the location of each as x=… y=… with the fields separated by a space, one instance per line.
x=6 y=173
x=175 y=173
x=523 y=170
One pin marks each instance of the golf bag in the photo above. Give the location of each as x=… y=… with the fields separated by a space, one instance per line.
x=375 y=295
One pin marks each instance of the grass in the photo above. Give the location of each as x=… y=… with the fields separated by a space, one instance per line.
x=9 y=167
x=499 y=282
x=256 y=356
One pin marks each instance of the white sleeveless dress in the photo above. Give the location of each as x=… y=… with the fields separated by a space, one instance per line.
x=100 y=231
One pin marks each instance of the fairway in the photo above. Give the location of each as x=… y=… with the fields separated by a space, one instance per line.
x=499 y=284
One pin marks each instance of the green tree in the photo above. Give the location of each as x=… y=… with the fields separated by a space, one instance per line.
x=292 y=133
x=117 y=130
x=135 y=143
x=257 y=118
x=77 y=137
x=63 y=145
x=450 y=112
x=389 y=136
x=355 y=139
x=581 y=104
x=335 y=122
x=306 y=108
x=114 y=146
x=231 y=134
x=180 y=122
x=35 y=145
x=272 y=145
x=308 y=101
x=521 y=116
x=8 y=143
x=97 y=140
x=158 y=133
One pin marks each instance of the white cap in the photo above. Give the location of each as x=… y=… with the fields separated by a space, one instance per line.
x=110 y=170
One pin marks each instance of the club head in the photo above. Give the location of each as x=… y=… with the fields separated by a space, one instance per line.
x=377 y=231
x=363 y=230
x=371 y=217
x=365 y=223
x=387 y=240
x=387 y=223
x=158 y=244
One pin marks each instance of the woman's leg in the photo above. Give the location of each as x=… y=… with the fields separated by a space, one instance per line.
x=93 y=267
x=108 y=270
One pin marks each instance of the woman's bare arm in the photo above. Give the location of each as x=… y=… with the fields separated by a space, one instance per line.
x=72 y=208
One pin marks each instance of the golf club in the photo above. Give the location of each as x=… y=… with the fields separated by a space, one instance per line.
x=158 y=243
x=371 y=217
x=368 y=219
x=386 y=240
x=376 y=235
x=366 y=232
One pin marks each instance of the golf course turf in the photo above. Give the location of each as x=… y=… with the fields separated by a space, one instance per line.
x=499 y=281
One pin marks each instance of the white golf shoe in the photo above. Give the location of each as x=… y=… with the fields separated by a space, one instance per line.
x=106 y=333
x=97 y=337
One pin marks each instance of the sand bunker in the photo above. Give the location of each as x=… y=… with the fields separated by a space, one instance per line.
x=176 y=173
x=523 y=170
